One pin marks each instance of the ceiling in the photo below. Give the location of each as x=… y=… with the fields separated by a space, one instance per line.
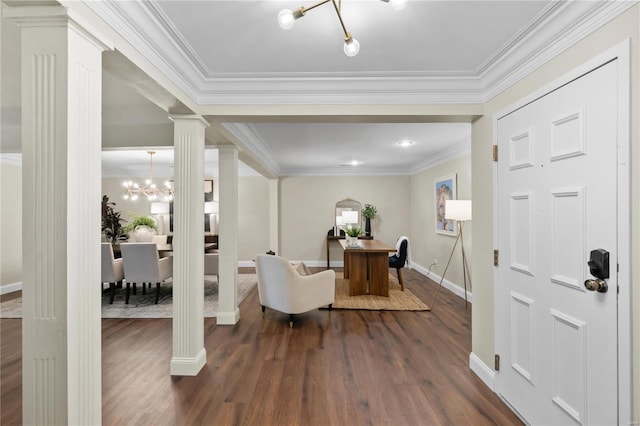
x=426 y=37
x=304 y=106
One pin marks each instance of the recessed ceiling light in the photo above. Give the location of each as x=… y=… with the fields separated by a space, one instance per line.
x=405 y=143
x=352 y=163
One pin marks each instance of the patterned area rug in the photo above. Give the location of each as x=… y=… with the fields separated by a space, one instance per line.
x=398 y=300
x=143 y=306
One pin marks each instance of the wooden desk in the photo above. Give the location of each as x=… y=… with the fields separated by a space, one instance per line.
x=367 y=267
x=331 y=237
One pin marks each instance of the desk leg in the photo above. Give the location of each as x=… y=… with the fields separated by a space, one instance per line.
x=328 y=242
x=379 y=274
x=346 y=261
x=358 y=274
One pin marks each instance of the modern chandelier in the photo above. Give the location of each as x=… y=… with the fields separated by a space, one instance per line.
x=149 y=189
x=287 y=17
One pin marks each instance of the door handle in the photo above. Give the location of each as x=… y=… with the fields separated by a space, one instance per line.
x=599 y=268
x=596 y=285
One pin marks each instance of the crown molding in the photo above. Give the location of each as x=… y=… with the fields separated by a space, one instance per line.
x=512 y=44
x=253 y=143
x=558 y=30
x=453 y=152
x=556 y=27
x=136 y=23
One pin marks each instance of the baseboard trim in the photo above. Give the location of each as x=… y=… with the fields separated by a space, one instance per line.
x=228 y=318
x=486 y=374
x=10 y=288
x=188 y=366
x=449 y=285
x=323 y=263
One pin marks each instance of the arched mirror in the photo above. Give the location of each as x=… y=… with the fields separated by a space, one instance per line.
x=348 y=213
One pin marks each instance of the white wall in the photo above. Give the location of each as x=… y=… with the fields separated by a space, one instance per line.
x=10 y=223
x=253 y=217
x=307 y=211
x=426 y=244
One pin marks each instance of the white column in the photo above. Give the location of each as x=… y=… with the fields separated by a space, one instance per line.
x=61 y=143
x=189 y=355
x=274 y=229
x=228 y=312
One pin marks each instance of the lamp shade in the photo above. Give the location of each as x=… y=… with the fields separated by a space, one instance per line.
x=349 y=217
x=457 y=210
x=159 y=208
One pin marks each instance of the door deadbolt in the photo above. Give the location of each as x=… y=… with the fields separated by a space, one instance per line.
x=599 y=268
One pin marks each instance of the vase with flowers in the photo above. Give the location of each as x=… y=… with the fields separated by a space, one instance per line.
x=143 y=228
x=368 y=212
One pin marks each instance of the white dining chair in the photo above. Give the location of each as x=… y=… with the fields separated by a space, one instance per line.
x=143 y=265
x=112 y=271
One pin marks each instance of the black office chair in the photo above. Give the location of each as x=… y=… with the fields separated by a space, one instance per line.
x=399 y=259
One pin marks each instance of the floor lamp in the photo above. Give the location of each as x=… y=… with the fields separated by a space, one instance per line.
x=460 y=211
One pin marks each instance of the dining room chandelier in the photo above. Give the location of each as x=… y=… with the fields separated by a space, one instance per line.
x=288 y=17
x=149 y=189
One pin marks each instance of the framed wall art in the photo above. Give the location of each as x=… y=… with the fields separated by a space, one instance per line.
x=445 y=189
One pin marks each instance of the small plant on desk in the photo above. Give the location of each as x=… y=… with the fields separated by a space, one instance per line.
x=352 y=235
x=353 y=231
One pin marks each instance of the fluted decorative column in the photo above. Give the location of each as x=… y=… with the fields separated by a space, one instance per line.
x=274 y=230
x=61 y=192
x=228 y=312
x=189 y=355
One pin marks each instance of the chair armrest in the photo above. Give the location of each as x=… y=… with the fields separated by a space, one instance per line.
x=118 y=270
x=314 y=291
x=165 y=268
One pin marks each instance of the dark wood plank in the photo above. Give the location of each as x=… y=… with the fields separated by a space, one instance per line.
x=333 y=368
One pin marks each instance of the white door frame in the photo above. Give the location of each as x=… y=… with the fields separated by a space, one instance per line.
x=621 y=53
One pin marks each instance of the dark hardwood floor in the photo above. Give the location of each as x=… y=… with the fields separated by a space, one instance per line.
x=338 y=368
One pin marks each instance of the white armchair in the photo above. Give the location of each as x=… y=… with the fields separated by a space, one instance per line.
x=282 y=288
x=112 y=271
x=143 y=265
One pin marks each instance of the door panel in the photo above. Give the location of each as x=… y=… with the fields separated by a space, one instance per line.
x=557 y=202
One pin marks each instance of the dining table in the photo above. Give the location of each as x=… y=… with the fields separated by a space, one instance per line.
x=165 y=250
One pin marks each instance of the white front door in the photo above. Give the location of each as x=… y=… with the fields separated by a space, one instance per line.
x=557 y=201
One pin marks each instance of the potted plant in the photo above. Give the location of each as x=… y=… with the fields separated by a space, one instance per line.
x=143 y=227
x=352 y=235
x=112 y=227
x=369 y=212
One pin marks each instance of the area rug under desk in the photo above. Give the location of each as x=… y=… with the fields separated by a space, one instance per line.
x=143 y=306
x=398 y=300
